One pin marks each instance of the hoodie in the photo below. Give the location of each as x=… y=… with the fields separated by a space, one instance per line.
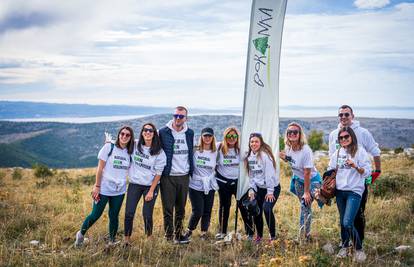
x=178 y=148
x=364 y=138
x=262 y=174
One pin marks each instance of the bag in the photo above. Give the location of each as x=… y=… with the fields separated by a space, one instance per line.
x=329 y=182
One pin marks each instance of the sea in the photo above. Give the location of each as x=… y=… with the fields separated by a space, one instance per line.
x=284 y=112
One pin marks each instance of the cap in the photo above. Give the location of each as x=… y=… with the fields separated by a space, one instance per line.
x=207 y=131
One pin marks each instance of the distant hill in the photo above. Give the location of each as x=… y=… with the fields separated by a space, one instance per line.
x=68 y=145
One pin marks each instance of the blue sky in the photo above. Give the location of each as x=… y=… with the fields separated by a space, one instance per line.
x=193 y=52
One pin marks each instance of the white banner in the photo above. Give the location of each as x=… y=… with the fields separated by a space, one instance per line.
x=261 y=93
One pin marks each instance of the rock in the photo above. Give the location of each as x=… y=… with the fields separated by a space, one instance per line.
x=328 y=249
x=34 y=243
x=402 y=248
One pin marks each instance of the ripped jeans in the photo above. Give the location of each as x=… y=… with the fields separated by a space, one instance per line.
x=305 y=219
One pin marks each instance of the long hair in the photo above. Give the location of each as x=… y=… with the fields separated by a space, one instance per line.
x=200 y=146
x=264 y=148
x=353 y=146
x=130 y=145
x=302 y=137
x=155 y=143
x=224 y=146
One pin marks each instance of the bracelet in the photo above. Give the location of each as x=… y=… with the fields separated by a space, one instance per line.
x=97 y=186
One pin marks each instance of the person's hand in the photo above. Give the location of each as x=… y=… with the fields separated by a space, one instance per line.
x=108 y=137
x=251 y=195
x=282 y=155
x=149 y=196
x=307 y=198
x=96 y=190
x=375 y=174
x=350 y=163
x=270 y=197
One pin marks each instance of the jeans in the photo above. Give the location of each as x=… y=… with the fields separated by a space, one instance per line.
x=135 y=191
x=305 y=219
x=201 y=209
x=360 y=216
x=115 y=203
x=174 y=191
x=348 y=204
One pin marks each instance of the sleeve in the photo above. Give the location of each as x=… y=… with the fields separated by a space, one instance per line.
x=160 y=162
x=307 y=158
x=370 y=145
x=332 y=161
x=103 y=153
x=252 y=183
x=270 y=174
x=364 y=162
x=332 y=143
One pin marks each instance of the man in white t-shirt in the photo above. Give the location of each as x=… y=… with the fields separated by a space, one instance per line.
x=177 y=143
x=365 y=139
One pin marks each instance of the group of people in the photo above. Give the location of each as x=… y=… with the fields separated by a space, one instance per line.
x=166 y=160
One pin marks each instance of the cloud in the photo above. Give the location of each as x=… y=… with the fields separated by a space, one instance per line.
x=371 y=4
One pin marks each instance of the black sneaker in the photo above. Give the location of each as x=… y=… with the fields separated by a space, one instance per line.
x=188 y=234
x=181 y=240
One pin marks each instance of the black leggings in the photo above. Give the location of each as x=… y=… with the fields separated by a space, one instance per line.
x=228 y=188
x=135 y=191
x=201 y=208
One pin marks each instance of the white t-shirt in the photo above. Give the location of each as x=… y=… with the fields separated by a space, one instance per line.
x=179 y=164
x=228 y=165
x=114 y=174
x=145 y=166
x=299 y=160
x=262 y=174
x=204 y=165
x=347 y=178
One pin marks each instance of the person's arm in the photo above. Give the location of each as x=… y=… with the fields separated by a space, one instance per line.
x=150 y=195
x=96 y=190
x=306 y=193
x=270 y=173
x=160 y=163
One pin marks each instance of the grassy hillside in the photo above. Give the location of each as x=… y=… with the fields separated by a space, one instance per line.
x=51 y=210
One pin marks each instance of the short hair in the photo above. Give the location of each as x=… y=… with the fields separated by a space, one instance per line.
x=346 y=106
x=181 y=108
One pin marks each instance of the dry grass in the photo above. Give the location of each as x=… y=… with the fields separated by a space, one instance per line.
x=51 y=210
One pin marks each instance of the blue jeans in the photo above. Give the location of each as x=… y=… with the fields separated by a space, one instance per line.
x=348 y=204
x=305 y=219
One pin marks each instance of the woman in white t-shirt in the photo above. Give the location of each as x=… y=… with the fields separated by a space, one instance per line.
x=305 y=179
x=353 y=166
x=148 y=161
x=110 y=184
x=203 y=183
x=264 y=183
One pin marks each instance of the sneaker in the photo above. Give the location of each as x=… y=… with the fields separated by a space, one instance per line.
x=250 y=238
x=220 y=236
x=258 y=240
x=181 y=240
x=360 y=256
x=113 y=243
x=204 y=236
x=343 y=253
x=188 y=234
x=79 y=239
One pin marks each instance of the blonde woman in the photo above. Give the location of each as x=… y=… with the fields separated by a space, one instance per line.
x=227 y=172
x=203 y=183
x=305 y=179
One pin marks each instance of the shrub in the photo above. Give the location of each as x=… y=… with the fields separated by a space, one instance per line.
x=87 y=179
x=62 y=178
x=17 y=174
x=398 y=150
x=281 y=143
x=393 y=185
x=315 y=140
x=42 y=171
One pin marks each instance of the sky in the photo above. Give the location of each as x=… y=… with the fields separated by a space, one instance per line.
x=193 y=52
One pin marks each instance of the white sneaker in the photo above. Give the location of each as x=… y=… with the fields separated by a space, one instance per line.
x=343 y=253
x=79 y=239
x=360 y=256
x=220 y=236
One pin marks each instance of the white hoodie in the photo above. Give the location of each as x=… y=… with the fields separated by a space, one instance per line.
x=347 y=178
x=180 y=164
x=262 y=174
x=364 y=138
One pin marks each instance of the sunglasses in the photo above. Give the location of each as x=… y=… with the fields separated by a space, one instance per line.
x=255 y=135
x=292 y=132
x=344 y=137
x=340 y=115
x=124 y=134
x=234 y=136
x=148 y=130
x=179 y=116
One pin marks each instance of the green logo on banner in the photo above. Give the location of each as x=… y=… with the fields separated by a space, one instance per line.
x=261 y=44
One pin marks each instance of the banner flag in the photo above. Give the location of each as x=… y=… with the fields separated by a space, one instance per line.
x=261 y=92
